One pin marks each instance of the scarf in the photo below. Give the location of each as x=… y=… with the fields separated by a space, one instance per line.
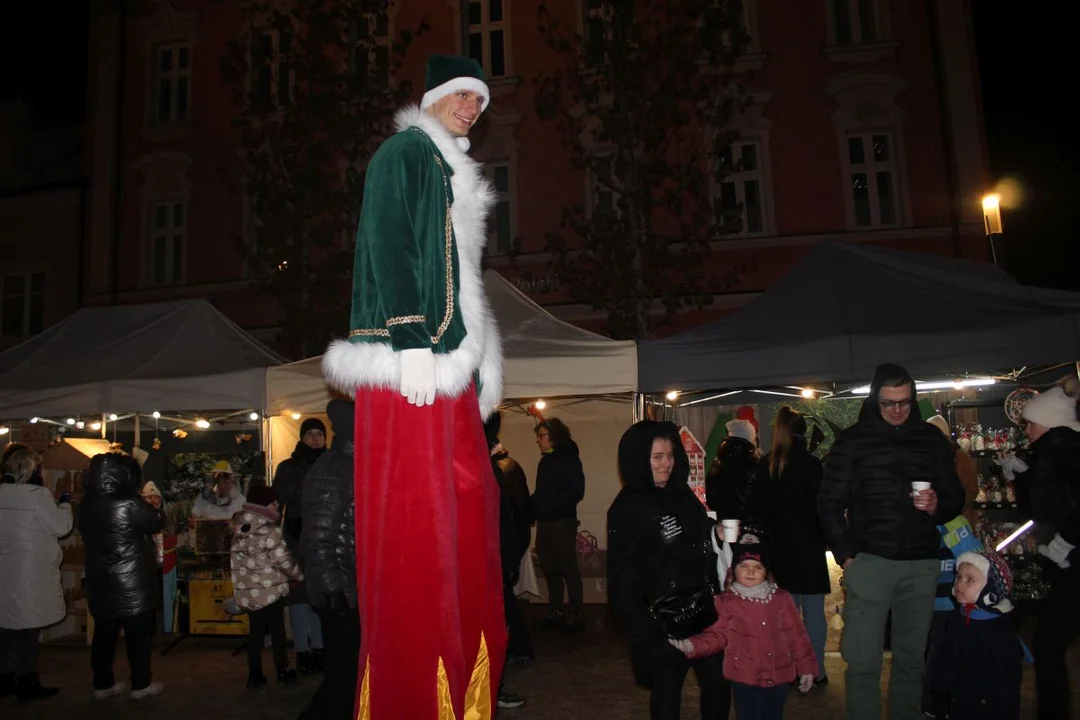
x=762 y=593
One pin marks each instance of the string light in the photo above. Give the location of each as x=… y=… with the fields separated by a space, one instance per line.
x=156 y=415
x=673 y=395
x=202 y=424
x=33 y=420
x=296 y=416
x=80 y=425
x=95 y=426
x=808 y=393
x=71 y=421
x=540 y=404
x=254 y=416
x=112 y=417
x=4 y=430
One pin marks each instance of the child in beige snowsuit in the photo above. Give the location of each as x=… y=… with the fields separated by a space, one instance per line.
x=261 y=568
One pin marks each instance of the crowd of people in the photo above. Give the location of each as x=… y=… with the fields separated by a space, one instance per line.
x=739 y=600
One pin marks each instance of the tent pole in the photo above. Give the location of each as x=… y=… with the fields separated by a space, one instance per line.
x=104 y=426
x=138 y=434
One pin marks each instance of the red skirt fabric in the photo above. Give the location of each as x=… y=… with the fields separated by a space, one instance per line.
x=428 y=573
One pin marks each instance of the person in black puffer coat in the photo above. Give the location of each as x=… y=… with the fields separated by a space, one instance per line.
x=328 y=552
x=885 y=536
x=1049 y=493
x=560 y=486
x=289 y=486
x=730 y=485
x=122 y=580
x=660 y=542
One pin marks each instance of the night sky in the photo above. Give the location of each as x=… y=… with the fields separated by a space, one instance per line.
x=1026 y=60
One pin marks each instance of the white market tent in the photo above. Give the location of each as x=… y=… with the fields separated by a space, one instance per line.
x=543 y=357
x=575 y=371
x=177 y=356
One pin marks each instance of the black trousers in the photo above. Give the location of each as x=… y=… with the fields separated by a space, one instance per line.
x=138 y=637
x=556 y=548
x=1059 y=624
x=270 y=618
x=341 y=640
x=667 y=685
x=19 y=651
x=518 y=631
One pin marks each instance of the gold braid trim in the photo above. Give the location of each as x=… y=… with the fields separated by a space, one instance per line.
x=448 y=231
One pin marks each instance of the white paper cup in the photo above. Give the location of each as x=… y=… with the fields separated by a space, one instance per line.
x=731 y=530
x=919 y=486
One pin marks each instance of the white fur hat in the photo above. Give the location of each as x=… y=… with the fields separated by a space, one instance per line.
x=1052 y=409
x=742 y=429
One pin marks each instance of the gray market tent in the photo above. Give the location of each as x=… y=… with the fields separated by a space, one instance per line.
x=846 y=308
x=180 y=356
x=543 y=357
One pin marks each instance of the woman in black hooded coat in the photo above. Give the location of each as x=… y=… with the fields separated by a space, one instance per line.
x=659 y=542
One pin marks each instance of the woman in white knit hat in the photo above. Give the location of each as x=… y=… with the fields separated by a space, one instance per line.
x=1052 y=487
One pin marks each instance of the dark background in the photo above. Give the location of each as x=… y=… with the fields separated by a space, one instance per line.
x=1026 y=62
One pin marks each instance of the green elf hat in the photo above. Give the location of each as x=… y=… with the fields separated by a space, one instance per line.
x=447 y=74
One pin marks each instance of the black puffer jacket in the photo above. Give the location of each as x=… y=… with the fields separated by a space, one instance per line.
x=516 y=488
x=865 y=502
x=328 y=539
x=730 y=485
x=289 y=485
x=658 y=542
x=560 y=484
x=1049 y=491
x=117 y=526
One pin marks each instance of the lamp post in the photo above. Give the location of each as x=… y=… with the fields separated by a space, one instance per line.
x=991 y=205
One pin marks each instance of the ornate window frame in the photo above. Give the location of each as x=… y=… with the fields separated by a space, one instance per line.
x=167 y=27
x=165 y=180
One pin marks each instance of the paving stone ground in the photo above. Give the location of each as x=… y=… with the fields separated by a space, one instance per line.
x=585 y=677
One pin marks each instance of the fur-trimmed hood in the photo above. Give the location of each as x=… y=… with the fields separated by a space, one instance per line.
x=347 y=365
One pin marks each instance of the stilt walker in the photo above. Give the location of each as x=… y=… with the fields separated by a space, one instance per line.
x=425 y=361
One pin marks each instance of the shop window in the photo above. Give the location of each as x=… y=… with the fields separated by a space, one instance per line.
x=22 y=304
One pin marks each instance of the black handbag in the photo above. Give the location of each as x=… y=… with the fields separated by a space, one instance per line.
x=685 y=612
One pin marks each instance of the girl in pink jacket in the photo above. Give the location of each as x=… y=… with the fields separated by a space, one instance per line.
x=763 y=638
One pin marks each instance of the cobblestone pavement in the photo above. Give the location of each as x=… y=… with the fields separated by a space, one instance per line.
x=583 y=677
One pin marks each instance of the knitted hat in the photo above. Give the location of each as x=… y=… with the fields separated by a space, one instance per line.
x=1052 y=409
x=750 y=546
x=941 y=424
x=448 y=74
x=994 y=596
x=312 y=424
x=742 y=429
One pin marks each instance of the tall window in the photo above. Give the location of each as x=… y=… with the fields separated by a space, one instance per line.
x=22 y=305
x=172 y=84
x=855 y=21
x=597 y=27
x=501 y=230
x=168 y=235
x=272 y=74
x=371 y=48
x=741 y=190
x=872 y=178
x=487 y=35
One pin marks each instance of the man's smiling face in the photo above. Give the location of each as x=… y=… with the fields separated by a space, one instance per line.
x=458 y=111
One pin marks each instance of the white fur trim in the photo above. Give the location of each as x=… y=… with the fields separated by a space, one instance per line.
x=438 y=92
x=347 y=366
x=977 y=560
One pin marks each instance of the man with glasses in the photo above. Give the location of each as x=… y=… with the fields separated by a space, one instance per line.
x=889 y=482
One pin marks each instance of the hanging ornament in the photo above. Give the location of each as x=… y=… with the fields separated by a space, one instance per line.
x=242 y=438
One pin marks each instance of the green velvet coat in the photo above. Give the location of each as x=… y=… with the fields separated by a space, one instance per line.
x=417 y=279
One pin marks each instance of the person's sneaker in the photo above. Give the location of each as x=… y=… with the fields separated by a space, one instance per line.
x=286 y=675
x=154 y=688
x=554 y=619
x=107 y=693
x=575 y=623
x=318 y=660
x=510 y=699
x=303 y=663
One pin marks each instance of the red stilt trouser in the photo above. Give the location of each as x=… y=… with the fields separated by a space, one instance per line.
x=433 y=634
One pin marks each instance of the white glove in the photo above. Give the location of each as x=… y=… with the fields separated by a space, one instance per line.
x=1058 y=550
x=1010 y=465
x=806 y=683
x=418 y=376
x=684 y=646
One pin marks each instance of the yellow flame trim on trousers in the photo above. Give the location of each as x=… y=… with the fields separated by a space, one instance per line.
x=477 y=696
